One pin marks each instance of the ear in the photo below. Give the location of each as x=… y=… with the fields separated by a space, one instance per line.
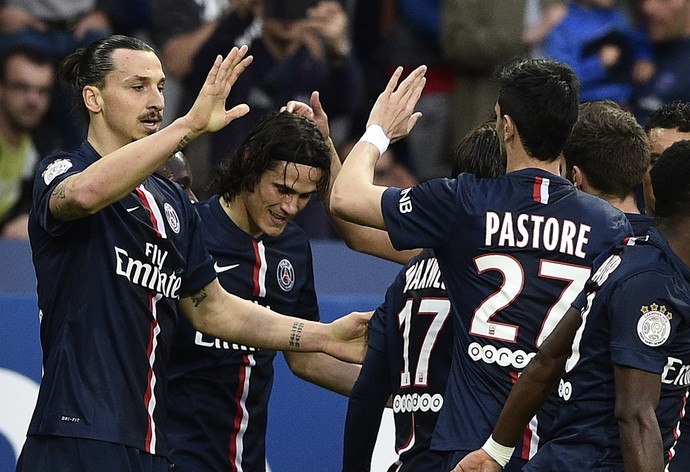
x=92 y=98
x=508 y=128
x=578 y=177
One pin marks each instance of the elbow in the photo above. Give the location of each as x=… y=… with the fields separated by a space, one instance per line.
x=338 y=204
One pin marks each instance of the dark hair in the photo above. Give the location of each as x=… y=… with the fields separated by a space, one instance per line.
x=32 y=54
x=542 y=97
x=674 y=115
x=91 y=65
x=671 y=183
x=610 y=147
x=282 y=136
x=480 y=153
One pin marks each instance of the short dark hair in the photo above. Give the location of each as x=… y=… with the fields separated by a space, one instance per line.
x=91 y=65
x=480 y=153
x=32 y=54
x=670 y=176
x=542 y=97
x=610 y=147
x=674 y=115
x=282 y=136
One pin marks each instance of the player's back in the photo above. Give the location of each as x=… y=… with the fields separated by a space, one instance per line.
x=514 y=252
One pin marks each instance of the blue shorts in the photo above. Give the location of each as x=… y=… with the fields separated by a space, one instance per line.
x=60 y=454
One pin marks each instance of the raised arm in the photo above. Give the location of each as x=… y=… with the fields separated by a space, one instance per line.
x=354 y=197
x=218 y=313
x=116 y=174
x=526 y=397
x=357 y=237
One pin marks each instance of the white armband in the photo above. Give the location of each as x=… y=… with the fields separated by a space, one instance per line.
x=498 y=452
x=375 y=135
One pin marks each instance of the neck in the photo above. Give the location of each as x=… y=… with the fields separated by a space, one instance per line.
x=626 y=205
x=678 y=237
x=236 y=211
x=519 y=159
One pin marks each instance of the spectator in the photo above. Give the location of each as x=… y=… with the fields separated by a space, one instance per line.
x=597 y=40
x=667 y=23
x=27 y=76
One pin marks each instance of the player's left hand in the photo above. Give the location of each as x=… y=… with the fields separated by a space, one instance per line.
x=394 y=107
x=477 y=461
x=314 y=112
x=349 y=337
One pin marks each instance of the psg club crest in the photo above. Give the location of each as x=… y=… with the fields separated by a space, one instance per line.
x=654 y=326
x=285 y=275
x=55 y=168
x=172 y=218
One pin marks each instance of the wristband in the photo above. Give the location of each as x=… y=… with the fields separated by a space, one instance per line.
x=498 y=452
x=375 y=135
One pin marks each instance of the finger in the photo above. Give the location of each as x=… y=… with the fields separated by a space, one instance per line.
x=213 y=73
x=411 y=81
x=236 y=73
x=393 y=81
x=416 y=92
x=237 y=111
x=413 y=120
x=316 y=104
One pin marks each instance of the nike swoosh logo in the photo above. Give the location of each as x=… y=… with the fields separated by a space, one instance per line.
x=130 y=210
x=220 y=269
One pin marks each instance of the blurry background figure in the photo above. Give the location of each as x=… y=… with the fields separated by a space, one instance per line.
x=298 y=47
x=596 y=38
x=667 y=23
x=476 y=38
x=27 y=76
x=177 y=169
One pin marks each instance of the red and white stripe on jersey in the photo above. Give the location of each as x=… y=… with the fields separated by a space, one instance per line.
x=260 y=267
x=150 y=397
x=155 y=214
x=242 y=414
x=676 y=428
x=530 y=437
x=540 y=192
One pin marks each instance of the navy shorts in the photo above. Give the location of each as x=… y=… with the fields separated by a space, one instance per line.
x=59 y=454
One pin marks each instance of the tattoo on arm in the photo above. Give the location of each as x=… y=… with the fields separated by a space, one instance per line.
x=296 y=333
x=61 y=208
x=183 y=142
x=199 y=297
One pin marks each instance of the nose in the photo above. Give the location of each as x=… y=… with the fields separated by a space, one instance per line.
x=156 y=99
x=290 y=204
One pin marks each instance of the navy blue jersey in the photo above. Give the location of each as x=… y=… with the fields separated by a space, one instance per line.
x=636 y=313
x=514 y=252
x=219 y=391
x=108 y=287
x=411 y=333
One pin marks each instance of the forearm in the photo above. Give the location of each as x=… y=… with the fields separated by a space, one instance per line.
x=637 y=430
x=354 y=197
x=116 y=174
x=324 y=370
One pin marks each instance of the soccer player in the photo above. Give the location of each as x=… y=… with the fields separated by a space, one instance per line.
x=514 y=251
x=665 y=126
x=606 y=155
x=219 y=391
x=116 y=250
x=410 y=344
x=624 y=347
x=177 y=169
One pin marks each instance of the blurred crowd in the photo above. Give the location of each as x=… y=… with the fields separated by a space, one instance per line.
x=635 y=53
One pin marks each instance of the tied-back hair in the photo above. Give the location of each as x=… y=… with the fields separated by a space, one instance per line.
x=610 y=147
x=281 y=136
x=91 y=65
x=480 y=153
x=542 y=97
x=674 y=115
x=670 y=176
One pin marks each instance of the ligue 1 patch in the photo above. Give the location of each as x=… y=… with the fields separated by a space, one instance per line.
x=173 y=220
x=285 y=275
x=654 y=326
x=55 y=168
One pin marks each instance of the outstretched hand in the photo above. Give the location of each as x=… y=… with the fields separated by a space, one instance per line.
x=394 y=107
x=208 y=114
x=349 y=337
x=477 y=461
x=314 y=112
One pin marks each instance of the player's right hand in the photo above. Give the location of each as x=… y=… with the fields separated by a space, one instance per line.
x=477 y=461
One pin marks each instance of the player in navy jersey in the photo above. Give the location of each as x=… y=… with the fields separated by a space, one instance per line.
x=607 y=154
x=177 y=169
x=514 y=251
x=410 y=344
x=219 y=391
x=623 y=350
x=116 y=250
